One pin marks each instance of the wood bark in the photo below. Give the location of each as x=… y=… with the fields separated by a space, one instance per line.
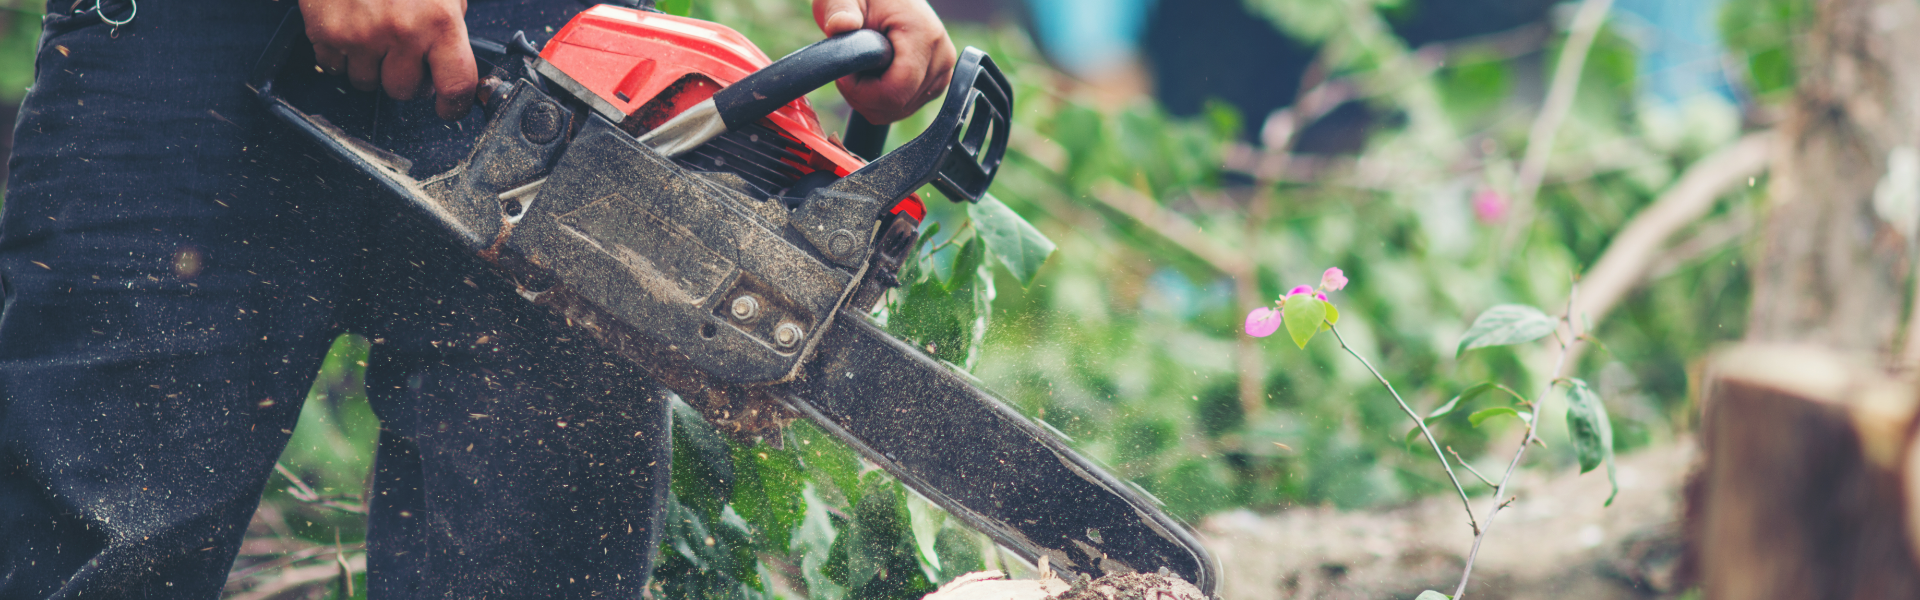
x=1807 y=482
x=1802 y=491
x=1832 y=270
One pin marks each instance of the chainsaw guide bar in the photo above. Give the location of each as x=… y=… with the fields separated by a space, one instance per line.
x=664 y=188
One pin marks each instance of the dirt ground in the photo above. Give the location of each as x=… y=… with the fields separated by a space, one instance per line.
x=1556 y=541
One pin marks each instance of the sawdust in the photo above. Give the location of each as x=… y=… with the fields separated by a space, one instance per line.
x=1132 y=586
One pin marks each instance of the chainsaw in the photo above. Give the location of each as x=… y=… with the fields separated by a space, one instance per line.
x=666 y=189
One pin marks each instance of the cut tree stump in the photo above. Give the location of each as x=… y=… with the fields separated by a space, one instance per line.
x=1807 y=480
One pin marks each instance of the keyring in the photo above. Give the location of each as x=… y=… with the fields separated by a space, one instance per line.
x=115 y=33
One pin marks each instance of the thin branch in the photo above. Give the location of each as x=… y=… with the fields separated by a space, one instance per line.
x=306 y=494
x=1464 y=503
x=1553 y=111
x=303 y=576
x=297 y=556
x=951 y=238
x=1533 y=428
x=1624 y=264
x=1637 y=252
x=1169 y=225
x=1470 y=469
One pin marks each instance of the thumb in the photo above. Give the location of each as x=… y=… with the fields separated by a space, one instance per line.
x=839 y=16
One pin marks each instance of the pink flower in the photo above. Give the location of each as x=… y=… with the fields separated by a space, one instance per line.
x=1490 y=206
x=1263 y=321
x=1332 y=280
x=1301 y=289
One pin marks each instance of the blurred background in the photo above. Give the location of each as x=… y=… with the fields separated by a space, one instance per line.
x=1192 y=160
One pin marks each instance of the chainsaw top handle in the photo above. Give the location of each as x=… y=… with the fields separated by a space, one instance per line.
x=806 y=69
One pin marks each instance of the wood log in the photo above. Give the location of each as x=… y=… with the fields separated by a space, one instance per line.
x=1806 y=478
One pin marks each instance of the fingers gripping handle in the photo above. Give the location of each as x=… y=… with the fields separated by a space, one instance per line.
x=791 y=77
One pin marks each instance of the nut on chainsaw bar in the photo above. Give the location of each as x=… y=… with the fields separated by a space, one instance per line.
x=745 y=308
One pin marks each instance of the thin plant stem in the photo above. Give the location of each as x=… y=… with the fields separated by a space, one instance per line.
x=1470 y=469
x=1464 y=503
x=1500 y=492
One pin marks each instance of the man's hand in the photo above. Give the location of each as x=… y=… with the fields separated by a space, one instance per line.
x=392 y=44
x=923 y=57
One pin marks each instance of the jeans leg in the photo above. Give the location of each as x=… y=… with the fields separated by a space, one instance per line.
x=518 y=459
x=172 y=263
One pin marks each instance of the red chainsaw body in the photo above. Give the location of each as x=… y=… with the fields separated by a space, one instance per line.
x=652 y=65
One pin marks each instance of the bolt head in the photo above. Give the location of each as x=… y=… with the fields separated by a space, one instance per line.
x=840 y=244
x=541 y=123
x=745 y=308
x=787 y=334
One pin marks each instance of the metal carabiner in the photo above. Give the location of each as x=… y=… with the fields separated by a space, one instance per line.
x=102 y=12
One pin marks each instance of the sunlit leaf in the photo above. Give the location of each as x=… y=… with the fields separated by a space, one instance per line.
x=926 y=520
x=1432 y=595
x=1304 y=313
x=767 y=490
x=1506 y=324
x=1013 y=241
x=1481 y=416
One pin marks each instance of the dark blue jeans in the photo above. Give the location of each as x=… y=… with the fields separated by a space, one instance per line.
x=175 y=263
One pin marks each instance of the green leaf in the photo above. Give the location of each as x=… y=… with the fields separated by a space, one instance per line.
x=702 y=471
x=1592 y=432
x=940 y=263
x=1332 y=318
x=1304 y=313
x=1443 y=410
x=1014 y=241
x=881 y=559
x=678 y=8
x=926 y=520
x=830 y=465
x=959 y=550
x=815 y=542
x=1432 y=595
x=767 y=491
x=1481 y=416
x=1506 y=324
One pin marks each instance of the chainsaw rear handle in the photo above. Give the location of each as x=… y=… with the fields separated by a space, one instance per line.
x=766 y=90
x=960 y=152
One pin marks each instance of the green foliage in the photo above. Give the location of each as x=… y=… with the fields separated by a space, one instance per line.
x=19 y=36
x=1012 y=240
x=1763 y=34
x=1481 y=416
x=1504 y=325
x=1591 y=430
x=675 y=7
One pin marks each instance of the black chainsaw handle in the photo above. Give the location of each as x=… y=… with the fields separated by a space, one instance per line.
x=766 y=90
x=960 y=152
